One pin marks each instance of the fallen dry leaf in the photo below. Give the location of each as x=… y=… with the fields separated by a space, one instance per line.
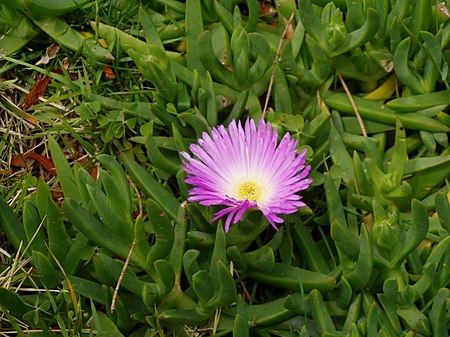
x=45 y=162
x=19 y=160
x=265 y=7
x=38 y=89
x=50 y=53
x=109 y=73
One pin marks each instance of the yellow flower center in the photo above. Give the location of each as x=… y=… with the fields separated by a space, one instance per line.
x=249 y=191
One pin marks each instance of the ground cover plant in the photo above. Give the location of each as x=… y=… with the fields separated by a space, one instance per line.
x=100 y=102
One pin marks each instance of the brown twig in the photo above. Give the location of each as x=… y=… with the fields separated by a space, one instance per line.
x=130 y=253
x=275 y=63
x=353 y=104
x=119 y=281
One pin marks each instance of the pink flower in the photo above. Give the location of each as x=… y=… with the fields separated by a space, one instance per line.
x=245 y=168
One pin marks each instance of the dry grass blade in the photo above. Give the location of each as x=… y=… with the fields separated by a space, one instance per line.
x=122 y=273
x=275 y=63
x=352 y=102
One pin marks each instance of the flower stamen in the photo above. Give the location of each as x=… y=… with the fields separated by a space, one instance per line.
x=249 y=191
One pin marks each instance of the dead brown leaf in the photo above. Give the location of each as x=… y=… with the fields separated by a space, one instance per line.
x=265 y=7
x=25 y=160
x=109 y=73
x=38 y=89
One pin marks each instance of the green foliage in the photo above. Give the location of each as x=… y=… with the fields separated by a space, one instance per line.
x=368 y=257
